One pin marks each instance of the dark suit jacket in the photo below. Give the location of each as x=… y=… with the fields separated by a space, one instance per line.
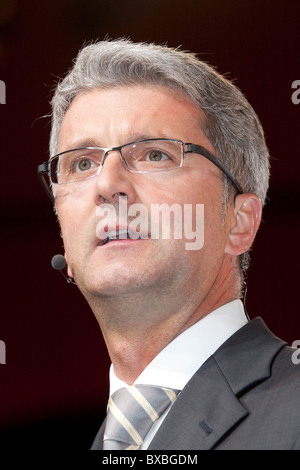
x=245 y=396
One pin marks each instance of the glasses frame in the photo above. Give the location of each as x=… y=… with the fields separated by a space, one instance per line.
x=44 y=168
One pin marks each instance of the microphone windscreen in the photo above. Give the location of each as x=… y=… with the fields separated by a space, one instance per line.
x=58 y=262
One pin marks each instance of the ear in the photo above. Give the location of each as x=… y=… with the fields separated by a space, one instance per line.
x=69 y=271
x=244 y=223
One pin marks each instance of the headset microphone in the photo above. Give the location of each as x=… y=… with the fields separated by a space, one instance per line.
x=59 y=263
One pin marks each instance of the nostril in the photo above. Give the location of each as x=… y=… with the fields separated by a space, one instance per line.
x=120 y=196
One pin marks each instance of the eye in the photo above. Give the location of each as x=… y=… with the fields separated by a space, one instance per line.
x=84 y=164
x=156 y=156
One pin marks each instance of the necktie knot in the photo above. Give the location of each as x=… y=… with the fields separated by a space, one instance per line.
x=132 y=412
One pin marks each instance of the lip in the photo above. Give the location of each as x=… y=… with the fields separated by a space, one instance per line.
x=103 y=231
x=103 y=235
x=120 y=243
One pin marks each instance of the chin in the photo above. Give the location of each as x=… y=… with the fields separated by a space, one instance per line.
x=106 y=286
x=120 y=284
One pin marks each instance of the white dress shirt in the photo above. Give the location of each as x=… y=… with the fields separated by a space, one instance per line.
x=174 y=366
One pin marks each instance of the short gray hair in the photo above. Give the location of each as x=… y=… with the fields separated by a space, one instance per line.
x=231 y=125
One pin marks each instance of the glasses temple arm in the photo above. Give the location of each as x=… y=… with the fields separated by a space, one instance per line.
x=192 y=148
x=42 y=171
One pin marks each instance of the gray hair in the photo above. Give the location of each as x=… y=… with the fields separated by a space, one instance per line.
x=231 y=125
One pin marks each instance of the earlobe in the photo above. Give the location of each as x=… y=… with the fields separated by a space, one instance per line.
x=69 y=271
x=245 y=223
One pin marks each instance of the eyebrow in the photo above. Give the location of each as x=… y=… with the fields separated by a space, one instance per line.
x=82 y=144
x=89 y=142
x=138 y=137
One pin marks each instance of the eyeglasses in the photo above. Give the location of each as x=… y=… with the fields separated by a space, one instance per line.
x=144 y=156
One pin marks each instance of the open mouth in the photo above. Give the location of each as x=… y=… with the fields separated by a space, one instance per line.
x=113 y=238
x=121 y=235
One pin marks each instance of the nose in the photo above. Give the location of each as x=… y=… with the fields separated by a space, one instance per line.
x=113 y=180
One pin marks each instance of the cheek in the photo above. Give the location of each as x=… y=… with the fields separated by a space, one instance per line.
x=186 y=186
x=71 y=222
x=215 y=238
x=166 y=190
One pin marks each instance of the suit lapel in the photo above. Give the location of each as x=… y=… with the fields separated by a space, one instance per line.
x=215 y=411
x=243 y=361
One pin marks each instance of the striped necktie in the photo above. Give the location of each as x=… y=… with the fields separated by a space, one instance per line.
x=132 y=412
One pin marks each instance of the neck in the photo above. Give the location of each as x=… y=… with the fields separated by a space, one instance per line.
x=137 y=326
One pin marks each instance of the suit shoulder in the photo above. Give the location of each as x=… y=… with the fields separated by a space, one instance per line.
x=286 y=364
x=281 y=390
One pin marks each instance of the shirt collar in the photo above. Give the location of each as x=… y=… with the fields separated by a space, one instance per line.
x=174 y=365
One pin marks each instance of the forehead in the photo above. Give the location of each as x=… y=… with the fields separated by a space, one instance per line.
x=115 y=116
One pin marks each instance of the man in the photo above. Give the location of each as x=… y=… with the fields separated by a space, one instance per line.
x=138 y=127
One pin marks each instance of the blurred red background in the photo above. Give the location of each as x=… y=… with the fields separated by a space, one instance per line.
x=54 y=384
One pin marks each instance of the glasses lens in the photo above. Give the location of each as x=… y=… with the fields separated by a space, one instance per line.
x=75 y=165
x=153 y=155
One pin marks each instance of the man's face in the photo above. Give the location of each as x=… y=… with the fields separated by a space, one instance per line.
x=113 y=117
